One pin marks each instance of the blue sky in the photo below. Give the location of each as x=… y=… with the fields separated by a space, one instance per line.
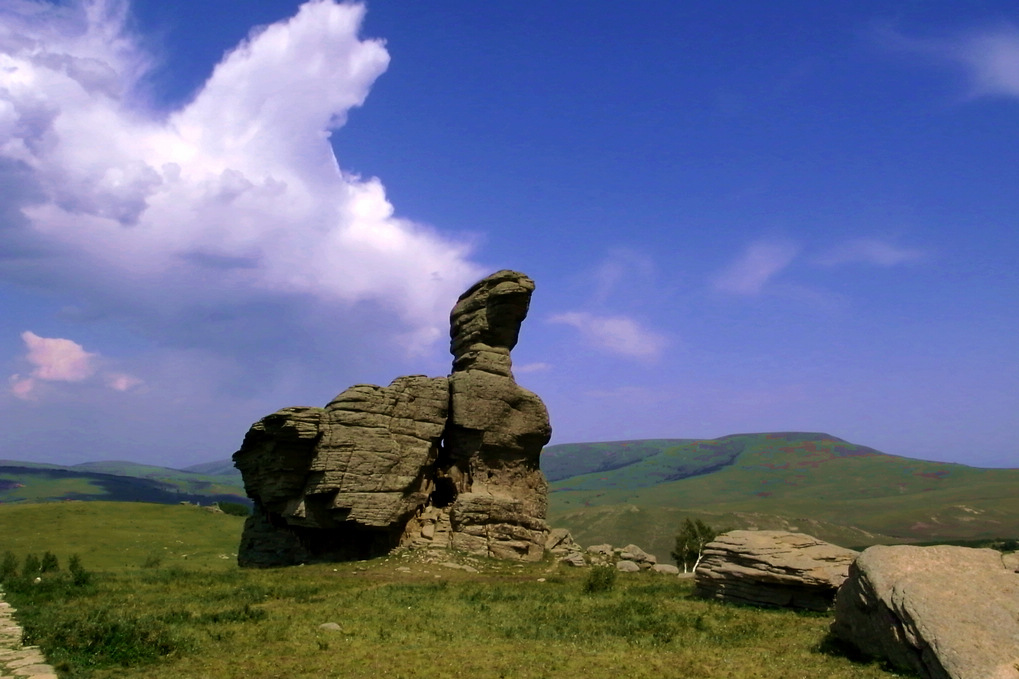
x=768 y=217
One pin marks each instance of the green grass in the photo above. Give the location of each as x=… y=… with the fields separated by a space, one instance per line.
x=121 y=536
x=398 y=616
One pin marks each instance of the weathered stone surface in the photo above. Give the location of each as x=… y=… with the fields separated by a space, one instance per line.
x=564 y=548
x=496 y=428
x=16 y=660
x=627 y=566
x=638 y=556
x=424 y=462
x=665 y=568
x=943 y=612
x=773 y=568
x=485 y=323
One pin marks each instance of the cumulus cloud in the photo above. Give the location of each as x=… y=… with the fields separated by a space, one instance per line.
x=988 y=56
x=232 y=198
x=869 y=251
x=615 y=334
x=759 y=263
x=55 y=359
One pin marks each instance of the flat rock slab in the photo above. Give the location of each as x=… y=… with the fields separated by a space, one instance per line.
x=944 y=612
x=23 y=662
x=773 y=568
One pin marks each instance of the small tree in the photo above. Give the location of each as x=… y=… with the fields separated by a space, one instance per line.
x=79 y=576
x=690 y=542
x=50 y=563
x=32 y=567
x=8 y=567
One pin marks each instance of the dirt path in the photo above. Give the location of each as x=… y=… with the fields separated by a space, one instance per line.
x=17 y=661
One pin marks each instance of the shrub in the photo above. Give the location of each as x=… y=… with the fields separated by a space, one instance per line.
x=50 y=563
x=234 y=508
x=32 y=567
x=8 y=567
x=79 y=576
x=600 y=579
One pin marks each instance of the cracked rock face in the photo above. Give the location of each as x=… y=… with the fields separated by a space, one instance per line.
x=773 y=568
x=424 y=462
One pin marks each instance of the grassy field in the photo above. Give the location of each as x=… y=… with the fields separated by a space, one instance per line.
x=194 y=614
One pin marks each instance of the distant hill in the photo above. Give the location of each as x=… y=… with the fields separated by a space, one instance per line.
x=115 y=481
x=217 y=468
x=640 y=491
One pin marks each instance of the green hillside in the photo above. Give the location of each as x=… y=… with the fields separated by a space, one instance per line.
x=816 y=483
x=116 y=481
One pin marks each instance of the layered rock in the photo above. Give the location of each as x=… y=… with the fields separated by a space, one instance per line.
x=773 y=568
x=443 y=462
x=942 y=612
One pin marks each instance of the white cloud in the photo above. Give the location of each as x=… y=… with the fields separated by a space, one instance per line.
x=122 y=381
x=989 y=56
x=55 y=359
x=615 y=334
x=869 y=251
x=235 y=196
x=755 y=267
x=532 y=367
x=992 y=60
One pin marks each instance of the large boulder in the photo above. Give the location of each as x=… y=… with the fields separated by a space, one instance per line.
x=773 y=568
x=341 y=481
x=942 y=612
x=424 y=462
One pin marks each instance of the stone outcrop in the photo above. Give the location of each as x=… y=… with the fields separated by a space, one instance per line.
x=425 y=462
x=564 y=548
x=942 y=612
x=773 y=568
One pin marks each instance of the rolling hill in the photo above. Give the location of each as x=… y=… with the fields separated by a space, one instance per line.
x=115 y=481
x=640 y=491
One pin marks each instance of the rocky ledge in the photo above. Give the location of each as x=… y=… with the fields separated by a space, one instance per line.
x=773 y=568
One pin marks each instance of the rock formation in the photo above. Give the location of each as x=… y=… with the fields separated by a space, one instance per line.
x=942 y=612
x=443 y=462
x=773 y=568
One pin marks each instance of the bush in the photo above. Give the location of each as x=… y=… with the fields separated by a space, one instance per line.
x=79 y=576
x=50 y=563
x=234 y=508
x=600 y=579
x=8 y=567
x=32 y=567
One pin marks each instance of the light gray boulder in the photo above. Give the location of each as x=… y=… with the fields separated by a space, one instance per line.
x=665 y=568
x=638 y=556
x=943 y=612
x=627 y=566
x=773 y=568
